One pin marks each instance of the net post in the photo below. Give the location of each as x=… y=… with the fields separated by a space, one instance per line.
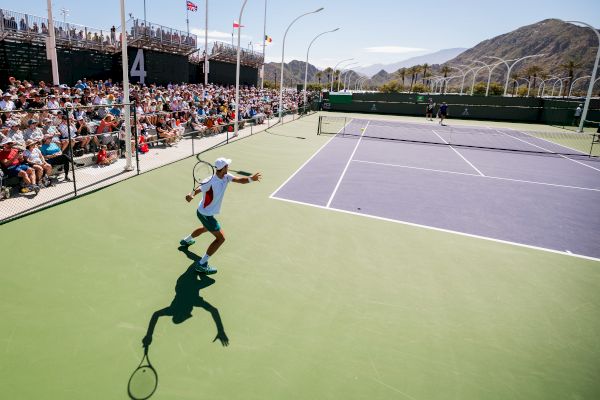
x=592 y=144
x=319 y=125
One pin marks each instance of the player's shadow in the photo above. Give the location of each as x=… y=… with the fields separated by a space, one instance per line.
x=187 y=296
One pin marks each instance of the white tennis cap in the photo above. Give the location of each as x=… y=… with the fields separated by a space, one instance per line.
x=221 y=162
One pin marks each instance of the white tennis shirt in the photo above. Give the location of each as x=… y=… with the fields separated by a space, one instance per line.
x=212 y=194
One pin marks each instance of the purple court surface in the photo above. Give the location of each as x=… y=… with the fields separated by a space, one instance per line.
x=547 y=201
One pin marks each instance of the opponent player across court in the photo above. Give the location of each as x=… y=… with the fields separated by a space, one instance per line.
x=213 y=189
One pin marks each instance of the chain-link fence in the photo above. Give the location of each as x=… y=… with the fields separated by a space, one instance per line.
x=50 y=156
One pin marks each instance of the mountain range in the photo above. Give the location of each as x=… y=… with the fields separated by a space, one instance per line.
x=438 y=57
x=558 y=43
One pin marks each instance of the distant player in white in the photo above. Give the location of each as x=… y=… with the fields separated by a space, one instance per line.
x=210 y=205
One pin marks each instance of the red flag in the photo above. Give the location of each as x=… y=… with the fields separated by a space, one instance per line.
x=191 y=6
x=237 y=25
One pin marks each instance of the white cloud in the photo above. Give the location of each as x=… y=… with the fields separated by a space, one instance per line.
x=394 y=49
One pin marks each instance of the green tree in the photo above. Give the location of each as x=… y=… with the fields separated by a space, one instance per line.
x=414 y=75
x=392 y=86
x=479 y=88
x=419 y=88
x=319 y=75
x=532 y=72
x=402 y=74
x=515 y=78
x=496 y=89
x=425 y=66
x=328 y=71
x=445 y=70
x=570 y=66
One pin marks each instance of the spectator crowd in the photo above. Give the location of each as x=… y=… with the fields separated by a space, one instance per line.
x=44 y=126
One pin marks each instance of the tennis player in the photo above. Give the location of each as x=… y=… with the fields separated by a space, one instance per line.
x=210 y=205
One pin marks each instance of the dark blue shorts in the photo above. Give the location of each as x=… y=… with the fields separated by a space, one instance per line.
x=14 y=171
x=209 y=222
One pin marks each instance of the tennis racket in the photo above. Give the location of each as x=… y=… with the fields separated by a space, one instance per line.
x=202 y=173
x=144 y=380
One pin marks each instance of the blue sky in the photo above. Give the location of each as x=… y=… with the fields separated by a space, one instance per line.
x=372 y=31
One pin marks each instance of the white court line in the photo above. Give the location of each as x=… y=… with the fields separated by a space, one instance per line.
x=482 y=176
x=547 y=141
x=461 y=156
x=347 y=164
x=311 y=157
x=440 y=229
x=549 y=151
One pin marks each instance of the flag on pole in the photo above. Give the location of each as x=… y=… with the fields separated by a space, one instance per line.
x=237 y=25
x=268 y=39
x=191 y=6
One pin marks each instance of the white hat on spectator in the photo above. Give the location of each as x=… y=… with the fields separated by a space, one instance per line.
x=80 y=118
x=7 y=141
x=221 y=162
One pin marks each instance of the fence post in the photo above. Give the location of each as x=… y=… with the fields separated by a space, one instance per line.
x=193 y=131
x=71 y=154
x=135 y=137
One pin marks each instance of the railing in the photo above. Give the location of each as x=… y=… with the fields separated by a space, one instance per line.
x=226 y=52
x=138 y=29
x=21 y=24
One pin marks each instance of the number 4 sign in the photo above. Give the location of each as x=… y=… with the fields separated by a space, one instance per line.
x=137 y=69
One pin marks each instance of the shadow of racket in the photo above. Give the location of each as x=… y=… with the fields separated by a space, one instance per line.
x=144 y=380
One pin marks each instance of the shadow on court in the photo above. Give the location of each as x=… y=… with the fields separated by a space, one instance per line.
x=187 y=296
x=144 y=380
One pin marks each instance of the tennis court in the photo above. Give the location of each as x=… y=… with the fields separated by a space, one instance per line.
x=315 y=303
x=497 y=183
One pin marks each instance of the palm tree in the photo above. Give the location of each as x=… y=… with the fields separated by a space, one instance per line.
x=414 y=71
x=515 y=77
x=336 y=75
x=328 y=71
x=319 y=75
x=445 y=70
x=401 y=73
x=533 y=71
x=570 y=66
x=425 y=66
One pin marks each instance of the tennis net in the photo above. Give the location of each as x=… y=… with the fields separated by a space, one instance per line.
x=479 y=137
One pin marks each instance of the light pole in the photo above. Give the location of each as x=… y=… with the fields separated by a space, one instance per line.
x=237 y=74
x=593 y=78
x=348 y=76
x=333 y=72
x=126 y=110
x=542 y=86
x=64 y=13
x=306 y=66
x=344 y=71
x=510 y=67
x=282 y=59
x=463 y=73
x=476 y=71
x=262 y=81
x=572 y=83
x=362 y=84
x=206 y=67
x=51 y=45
